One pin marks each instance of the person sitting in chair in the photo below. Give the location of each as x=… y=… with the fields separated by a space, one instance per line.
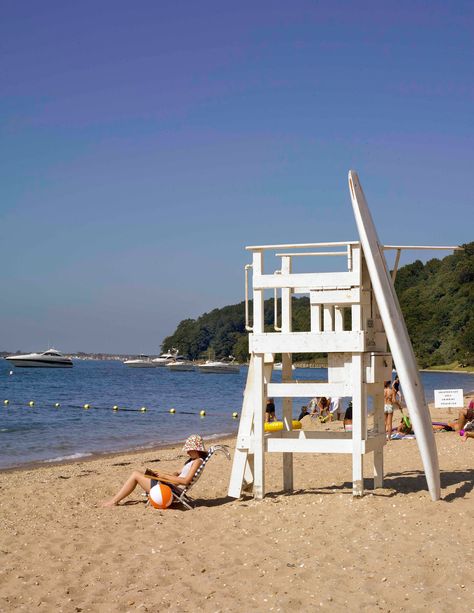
x=194 y=447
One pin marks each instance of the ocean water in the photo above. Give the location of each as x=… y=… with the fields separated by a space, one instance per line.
x=43 y=433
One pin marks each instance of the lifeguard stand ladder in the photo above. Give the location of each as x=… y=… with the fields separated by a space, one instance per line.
x=358 y=360
x=358 y=364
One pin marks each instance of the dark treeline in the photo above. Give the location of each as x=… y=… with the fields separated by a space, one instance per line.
x=437 y=300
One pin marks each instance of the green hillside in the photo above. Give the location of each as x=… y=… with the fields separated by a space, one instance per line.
x=437 y=300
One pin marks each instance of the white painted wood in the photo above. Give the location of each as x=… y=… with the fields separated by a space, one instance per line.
x=356 y=317
x=281 y=445
x=358 y=432
x=300 y=246
x=286 y=326
x=328 y=318
x=307 y=342
x=397 y=336
x=258 y=420
x=242 y=466
x=305 y=389
x=337 y=296
x=315 y=312
x=311 y=280
x=338 y=319
x=379 y=426
x=245 y=427
x=258 y=295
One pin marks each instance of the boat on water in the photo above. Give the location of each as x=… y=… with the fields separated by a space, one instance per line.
x=180 y=363
x=51 y=358
x=279 y=366
x=165 y=358
x=142 y=361
x=220 y=366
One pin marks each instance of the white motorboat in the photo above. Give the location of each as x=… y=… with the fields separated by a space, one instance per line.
x=279 y=366
x=180 y=363
x=165 y=358
x=220 y=366
x=143 y=361
x=51 y=358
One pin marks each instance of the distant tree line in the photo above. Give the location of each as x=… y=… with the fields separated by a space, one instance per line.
x=437 y=300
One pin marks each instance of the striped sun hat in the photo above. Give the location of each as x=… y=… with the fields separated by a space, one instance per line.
x=194 y=443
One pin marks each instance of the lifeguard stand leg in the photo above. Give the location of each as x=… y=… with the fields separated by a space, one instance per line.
x=259 y=408
x=379 y=425
x=287 y=424
x=358 y=421
x=286 y=372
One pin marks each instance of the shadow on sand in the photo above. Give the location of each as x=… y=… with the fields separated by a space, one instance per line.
x=396 y=484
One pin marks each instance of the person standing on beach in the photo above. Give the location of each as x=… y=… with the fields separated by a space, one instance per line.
x=389 y=398
x=398 y=394
x=270 y=410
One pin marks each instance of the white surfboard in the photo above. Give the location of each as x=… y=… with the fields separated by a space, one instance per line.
x=397 y=335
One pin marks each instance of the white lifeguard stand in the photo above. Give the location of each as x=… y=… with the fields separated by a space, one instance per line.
x=358 y=358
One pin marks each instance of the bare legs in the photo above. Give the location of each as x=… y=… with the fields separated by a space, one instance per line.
x=388 y=425
x=136 y=478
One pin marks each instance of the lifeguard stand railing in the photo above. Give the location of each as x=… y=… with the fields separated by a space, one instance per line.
x=358 y=361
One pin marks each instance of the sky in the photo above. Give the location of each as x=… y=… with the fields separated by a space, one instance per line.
x=144 y=145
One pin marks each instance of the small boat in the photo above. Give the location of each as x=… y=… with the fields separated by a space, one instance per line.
x=165 y=358
x=279 y=366
x=143 y=361
x=51 y=358
x=220 y=366
x=180 y=363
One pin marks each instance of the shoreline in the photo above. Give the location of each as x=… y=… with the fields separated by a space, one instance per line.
x=93 y=456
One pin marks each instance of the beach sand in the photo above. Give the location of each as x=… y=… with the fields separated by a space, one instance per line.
x=318 y=548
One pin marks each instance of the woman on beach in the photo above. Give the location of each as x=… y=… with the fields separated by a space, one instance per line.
x=194 y=447
x=389 y=398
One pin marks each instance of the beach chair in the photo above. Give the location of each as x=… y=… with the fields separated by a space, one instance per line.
x=180 y=493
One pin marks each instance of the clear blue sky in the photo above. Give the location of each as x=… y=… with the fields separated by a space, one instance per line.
x=143 y=145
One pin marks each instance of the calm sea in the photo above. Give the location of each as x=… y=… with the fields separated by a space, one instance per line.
x=44 y=433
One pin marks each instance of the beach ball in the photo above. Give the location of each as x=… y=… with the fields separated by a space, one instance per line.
x=160 y=496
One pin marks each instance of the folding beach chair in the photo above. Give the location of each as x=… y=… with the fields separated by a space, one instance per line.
x=180 y=493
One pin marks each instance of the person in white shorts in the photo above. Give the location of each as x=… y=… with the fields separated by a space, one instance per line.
x=389 y=398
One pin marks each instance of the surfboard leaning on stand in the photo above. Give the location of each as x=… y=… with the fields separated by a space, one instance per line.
x=397 y=335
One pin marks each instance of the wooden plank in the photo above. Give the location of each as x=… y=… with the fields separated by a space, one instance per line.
x=358 y=431
x=347 y=296
x=308 y=389
x=308 y=445
x=310 y=280
x=286 y=327
x=308 y=342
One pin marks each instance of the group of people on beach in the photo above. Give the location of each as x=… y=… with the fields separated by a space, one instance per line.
x=319 y=407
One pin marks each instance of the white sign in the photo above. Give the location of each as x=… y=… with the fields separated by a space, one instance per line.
x=445 y=399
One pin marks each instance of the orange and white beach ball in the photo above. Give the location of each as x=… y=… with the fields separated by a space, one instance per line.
x=160 y=496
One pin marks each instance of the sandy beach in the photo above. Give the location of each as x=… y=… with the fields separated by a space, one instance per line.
x=318 y=548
